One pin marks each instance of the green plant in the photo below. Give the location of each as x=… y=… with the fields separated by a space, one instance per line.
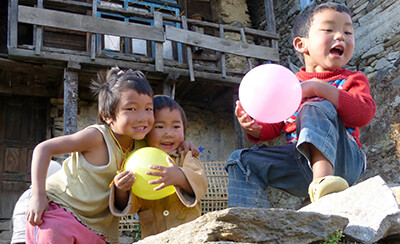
x=335 y=238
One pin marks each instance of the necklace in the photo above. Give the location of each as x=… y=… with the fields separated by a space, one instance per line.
x=124 y=151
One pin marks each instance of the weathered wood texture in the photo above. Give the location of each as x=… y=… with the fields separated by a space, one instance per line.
x=70 y=102
x=218 y=44
x=89 y=24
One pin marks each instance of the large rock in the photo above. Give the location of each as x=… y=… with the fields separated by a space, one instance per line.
x=251 y=225
x=370 y=206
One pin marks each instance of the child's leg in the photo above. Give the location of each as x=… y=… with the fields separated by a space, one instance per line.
x=60 y=226
x=320 y=164
x=252 y=170
x=319 y=125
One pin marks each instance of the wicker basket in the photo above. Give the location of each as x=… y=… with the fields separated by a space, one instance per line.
x=216 y=197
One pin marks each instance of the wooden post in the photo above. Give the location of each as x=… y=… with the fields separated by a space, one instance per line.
x=70 y=101
x=270 y=18
x=223 y=60
x=93 y=35
x=159 y=59
x=240 y=137
x=188 y=50
x=169 y=84
x=38 y=32
x=12 y=29
x=243 y=35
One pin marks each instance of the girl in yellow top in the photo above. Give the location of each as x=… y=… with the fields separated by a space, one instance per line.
x=72 y=205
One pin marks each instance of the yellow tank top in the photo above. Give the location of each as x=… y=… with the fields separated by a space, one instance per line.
x=83 y=189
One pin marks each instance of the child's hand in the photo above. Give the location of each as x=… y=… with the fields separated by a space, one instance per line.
x=37 y=205
x=316 y=89
x=124 y=180
x=169 y=176
x=188 y=146
x=248 y=124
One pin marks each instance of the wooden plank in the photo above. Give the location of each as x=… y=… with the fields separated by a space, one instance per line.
x=159 y=52
x=148 y=15
x=222 y=45
x=93 y=35
x=270 y=18
x=38 y=32
x=240 y=137
x=89 y=24
x=243 y=36
x=188 y=51
x=107 y=62
x=223 y=60
x=70 y=102
x=12 y=29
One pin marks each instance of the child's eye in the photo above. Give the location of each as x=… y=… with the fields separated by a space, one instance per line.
x=158 y=126
x=149 y=109
x=348 y=33
x=177 y=126
x=327 y=30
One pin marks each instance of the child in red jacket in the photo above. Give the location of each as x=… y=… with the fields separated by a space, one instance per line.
x=323 y=154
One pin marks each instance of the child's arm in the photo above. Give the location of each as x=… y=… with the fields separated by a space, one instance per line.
x=123 y=183
x=169 y=176
x=320 y=88
x=89 y=140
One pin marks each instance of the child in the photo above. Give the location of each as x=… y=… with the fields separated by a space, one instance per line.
x=72 y=205
x=323 y=154
x=18 y=217
x=186 y=175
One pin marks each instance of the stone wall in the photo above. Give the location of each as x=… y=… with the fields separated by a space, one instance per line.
x=377 y=55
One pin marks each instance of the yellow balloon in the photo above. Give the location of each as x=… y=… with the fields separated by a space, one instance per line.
x=138 y=162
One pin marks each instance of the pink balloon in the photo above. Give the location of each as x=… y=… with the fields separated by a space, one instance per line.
x=270 y=93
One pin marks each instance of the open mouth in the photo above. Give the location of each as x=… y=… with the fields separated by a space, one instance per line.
x=337 y=51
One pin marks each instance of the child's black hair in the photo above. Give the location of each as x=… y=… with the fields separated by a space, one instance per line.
x=108 y=85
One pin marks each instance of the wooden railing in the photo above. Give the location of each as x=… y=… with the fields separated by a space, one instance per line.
x=62 y=15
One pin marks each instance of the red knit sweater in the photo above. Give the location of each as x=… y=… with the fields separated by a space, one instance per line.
x=356 y=108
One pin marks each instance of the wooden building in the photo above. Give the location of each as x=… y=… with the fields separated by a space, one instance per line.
x=53 y=48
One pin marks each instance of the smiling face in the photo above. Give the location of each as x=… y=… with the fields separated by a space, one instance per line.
x=330 y=42
x=167 y=133
x=134 y=116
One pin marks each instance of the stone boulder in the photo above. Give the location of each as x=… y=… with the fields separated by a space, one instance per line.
x=250 y=225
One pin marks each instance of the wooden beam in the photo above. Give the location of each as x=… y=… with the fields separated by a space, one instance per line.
x=243 y=36
x=240 y=137
x=222 y=45
x=223 y=60
x=12 y=28
x=70 y=102
x=188 y=51
x=38 y=30
x=270 y=18
x=93 y=35
x=159 y=55
x=84 y=23
x=107 y=62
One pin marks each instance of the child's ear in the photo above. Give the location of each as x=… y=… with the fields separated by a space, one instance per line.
x=106 y=119
x=300 y=44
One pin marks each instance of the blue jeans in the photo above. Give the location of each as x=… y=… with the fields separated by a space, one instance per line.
x=287 y=167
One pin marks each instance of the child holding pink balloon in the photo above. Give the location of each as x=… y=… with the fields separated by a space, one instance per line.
x=323 y=154
x=72 y=206
x=186 y=174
